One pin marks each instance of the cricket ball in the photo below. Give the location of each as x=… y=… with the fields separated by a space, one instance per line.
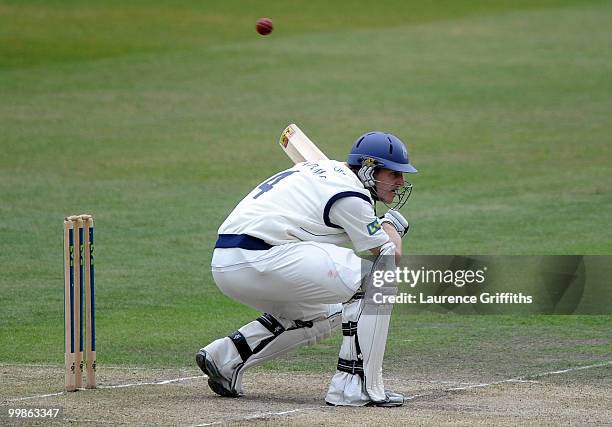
x=264 y=26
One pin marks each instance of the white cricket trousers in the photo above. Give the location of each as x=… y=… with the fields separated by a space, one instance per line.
x=297 y=281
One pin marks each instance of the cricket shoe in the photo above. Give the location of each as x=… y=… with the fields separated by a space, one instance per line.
x=217 y=382
x=391 y=400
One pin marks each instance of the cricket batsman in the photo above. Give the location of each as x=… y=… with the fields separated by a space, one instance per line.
x=278 y=252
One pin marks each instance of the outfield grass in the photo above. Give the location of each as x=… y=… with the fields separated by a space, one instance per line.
x=158 y=119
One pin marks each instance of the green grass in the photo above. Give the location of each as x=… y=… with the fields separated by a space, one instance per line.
x=158 y=118
x=38 y=32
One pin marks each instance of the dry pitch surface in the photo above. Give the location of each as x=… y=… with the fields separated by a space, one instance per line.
x=145 y=397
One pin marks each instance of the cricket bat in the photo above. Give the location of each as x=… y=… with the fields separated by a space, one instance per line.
x=298 y=146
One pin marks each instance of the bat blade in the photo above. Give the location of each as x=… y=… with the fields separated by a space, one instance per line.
x=298 y=146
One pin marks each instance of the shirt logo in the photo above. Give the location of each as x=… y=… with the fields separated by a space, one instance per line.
x=373 y=227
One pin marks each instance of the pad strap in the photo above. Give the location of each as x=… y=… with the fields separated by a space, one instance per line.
x=349 y=329
x=358 y=295
x=273 y=326
x=353 y=367
x=302 y=324
x=241 y=345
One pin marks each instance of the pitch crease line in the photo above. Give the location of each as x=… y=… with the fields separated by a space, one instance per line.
x=524 y=378
x=40 y=396
x=163 y=382
x=521 y=379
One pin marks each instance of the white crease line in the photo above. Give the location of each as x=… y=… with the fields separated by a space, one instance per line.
x=526 y=378
x=255 y=417
x=468 y=387
x=449 y=382
x=36 y=397
x=163 y=382
x=563 y=371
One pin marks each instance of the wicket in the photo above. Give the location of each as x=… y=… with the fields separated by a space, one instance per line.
x=79 y=286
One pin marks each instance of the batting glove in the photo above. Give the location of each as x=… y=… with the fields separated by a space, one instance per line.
x=397 y=220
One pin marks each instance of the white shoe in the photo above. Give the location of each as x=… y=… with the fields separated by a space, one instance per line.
x=217 y=382
x=392 y=400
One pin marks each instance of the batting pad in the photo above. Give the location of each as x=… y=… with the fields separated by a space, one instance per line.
x=347 y=384
x=358 y=380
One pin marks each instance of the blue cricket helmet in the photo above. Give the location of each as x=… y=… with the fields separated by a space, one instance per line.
x=388 y=151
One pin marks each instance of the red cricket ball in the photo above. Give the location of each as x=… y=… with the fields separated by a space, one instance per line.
x=264 y=26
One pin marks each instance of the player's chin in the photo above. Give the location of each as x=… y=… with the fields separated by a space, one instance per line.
x=388 y=197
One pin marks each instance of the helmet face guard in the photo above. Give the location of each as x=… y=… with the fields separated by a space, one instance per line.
x=401 y=195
